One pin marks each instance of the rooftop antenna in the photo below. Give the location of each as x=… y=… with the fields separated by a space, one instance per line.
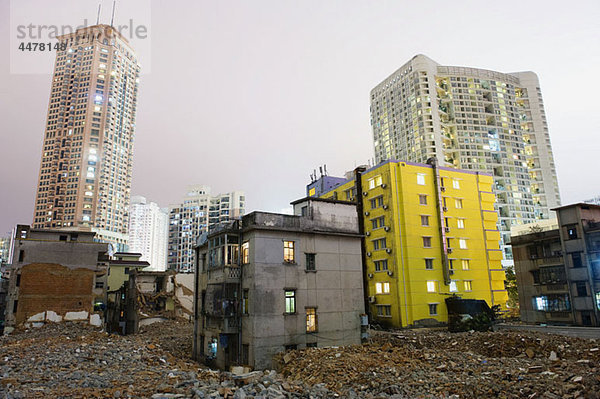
x=98 y=17
x=113 y=13
x=321 y=170
x=325 y=168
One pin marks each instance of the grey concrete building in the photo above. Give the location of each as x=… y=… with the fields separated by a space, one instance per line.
x=272 y=282
x=474 y=119
x=558 y=268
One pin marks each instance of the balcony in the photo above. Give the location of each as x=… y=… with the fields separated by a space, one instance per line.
x=224 y=274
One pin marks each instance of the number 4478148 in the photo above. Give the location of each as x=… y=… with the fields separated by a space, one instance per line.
x=33 y=46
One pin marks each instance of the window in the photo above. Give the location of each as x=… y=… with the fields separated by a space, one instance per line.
x=378 y=222
x=433 y=309
x=245 y=295
x=290 y=301
x=63 y=238
x=458 y=203
x=310 y=262
x=18 y=283
x=581 y=288
x=126 y=270
x=245 y=252
x=456 y=183
x=311 y=320
x=382 y=288
x=311 y=344
x=379 y=244
x=468 y=285
x=432 y=286
x=381 y=265
x=288 y=252
x=21 y=255
x=421 y=179
x=99 y=284
x=462 y=243
x=424 y=220
x=426 y=242
x=422 y=199
x=15 y=305
x=572 y=232
x=291 y=347
x=552 y=303
x=460 y=223
x=384 y=310
x=377 y=202
x=453 y=287
x=375 y=182
x=576 y=258
x=465 y=264
x=429 y=264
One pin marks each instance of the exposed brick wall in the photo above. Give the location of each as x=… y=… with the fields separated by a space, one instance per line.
x=45 y=286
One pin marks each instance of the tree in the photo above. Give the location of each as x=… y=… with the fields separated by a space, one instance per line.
x=511 y=287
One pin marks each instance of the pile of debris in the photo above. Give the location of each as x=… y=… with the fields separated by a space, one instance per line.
x=442 y=364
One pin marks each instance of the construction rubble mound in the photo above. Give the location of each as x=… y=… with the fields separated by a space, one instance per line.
x=72 y=360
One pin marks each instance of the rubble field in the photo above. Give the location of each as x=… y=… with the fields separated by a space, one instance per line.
x=76 y=361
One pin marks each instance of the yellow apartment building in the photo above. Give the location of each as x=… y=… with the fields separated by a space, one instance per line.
x=430 y=232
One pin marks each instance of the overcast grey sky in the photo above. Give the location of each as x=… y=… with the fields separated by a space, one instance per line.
x=253 y=95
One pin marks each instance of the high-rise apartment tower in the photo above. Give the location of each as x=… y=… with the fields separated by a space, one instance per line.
x=149 y=232
x=473 y=119
x=85 y=171
x=199 y=212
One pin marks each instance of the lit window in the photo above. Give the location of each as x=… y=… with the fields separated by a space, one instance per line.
x=432 y=286
x=455 y=183
x=245 y=252
x=421 y=179
x=375 y=182
x=462 y=243
x=424 y=220
x=468 y=285
x=458 y=203
x=433 y=309
x=426 y=242
x=382 y=288
x=453 y=287
x=288 y=252
x=290 y=301
x=465 y=264
x=311 y=320
x=460 y=223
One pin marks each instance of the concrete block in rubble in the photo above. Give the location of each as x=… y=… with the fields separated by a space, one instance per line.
x=53 y=317
x=95 y=320
x=75 y=316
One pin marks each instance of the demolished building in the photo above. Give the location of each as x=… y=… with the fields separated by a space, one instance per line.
x=275 y=282
x=54 y=276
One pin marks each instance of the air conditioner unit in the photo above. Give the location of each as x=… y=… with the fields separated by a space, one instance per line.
x=370 y=275
x=390 y=273
x=372 y=299
x=368 y=254
x=442 y=188
x=387 y=228
x=365 y=193
x=449 y=250
x=385 y=207
x=444 y=209
x=367 y=213
x=388 y=250
x=383 y=185
x=367 y=233
x=447 y=229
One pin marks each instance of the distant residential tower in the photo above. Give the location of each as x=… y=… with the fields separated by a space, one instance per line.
x=149 y=232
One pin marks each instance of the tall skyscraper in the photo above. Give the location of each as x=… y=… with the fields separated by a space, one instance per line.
x=473 y=119
x=149 y=232
x=199 y=212
x=85 y=171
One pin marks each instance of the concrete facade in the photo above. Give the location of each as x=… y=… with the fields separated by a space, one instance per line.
x=54 y=275
x=558 y=268
x=277 y=282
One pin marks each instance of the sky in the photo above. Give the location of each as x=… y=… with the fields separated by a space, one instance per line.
x=254 y=95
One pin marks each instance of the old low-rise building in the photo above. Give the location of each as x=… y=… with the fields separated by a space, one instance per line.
x=275 y=282
x=54 y=276
x=558 y=268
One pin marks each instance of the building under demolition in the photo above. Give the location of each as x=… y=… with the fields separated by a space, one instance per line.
x=275 y=282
